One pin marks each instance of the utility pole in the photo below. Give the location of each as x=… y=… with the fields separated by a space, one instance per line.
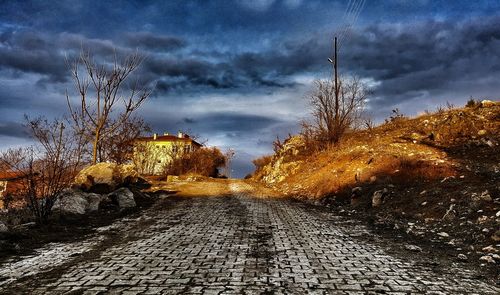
x=335 y=63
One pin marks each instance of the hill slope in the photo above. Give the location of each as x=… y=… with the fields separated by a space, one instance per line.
x=436 y=176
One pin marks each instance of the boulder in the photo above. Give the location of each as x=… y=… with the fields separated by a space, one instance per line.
x=128 y=174
x=3 y=228
x=71 y=202
x=104 y=178
x=94 y=201
x=378 y=197
x=488 y=103
x=123 y=197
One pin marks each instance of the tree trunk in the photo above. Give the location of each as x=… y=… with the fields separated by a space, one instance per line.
x=95 y=146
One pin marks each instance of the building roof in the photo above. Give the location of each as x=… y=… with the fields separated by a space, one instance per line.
x=10 y=175
x=169 y=138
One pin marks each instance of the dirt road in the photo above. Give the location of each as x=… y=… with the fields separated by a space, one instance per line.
x=234 y=243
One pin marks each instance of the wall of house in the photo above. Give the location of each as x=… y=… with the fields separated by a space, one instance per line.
x=152 y=157
x=3 y=188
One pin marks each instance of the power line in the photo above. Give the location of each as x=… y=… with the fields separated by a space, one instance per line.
x=352 y=21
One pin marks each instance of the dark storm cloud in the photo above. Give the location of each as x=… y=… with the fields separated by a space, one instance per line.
x=13 y=129
x=31 y=53
x=428 y=56
x=152 y=41
x=227 y=122
x=247 y=54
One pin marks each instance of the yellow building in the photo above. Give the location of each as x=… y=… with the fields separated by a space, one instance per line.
x=153 y=154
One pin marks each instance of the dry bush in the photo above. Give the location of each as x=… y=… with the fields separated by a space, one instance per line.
x=335 y=111
x=472 y=103
x=260 y=162
x=203 y=161
x=46 y=169
x=396 y=117
x=118 y=146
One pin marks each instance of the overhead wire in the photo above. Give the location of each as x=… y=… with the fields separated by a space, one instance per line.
x=353 y=17
x=345 y=19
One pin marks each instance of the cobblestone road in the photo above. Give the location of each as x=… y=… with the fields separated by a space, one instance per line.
x=243 y=245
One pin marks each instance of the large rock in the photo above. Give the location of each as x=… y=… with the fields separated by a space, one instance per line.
x=106 y=177
x=123 y=197
x=77 y=202
x=488 y=103
x=128 y=173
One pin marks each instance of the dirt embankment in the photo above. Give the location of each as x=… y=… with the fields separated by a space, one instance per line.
x=434 y=178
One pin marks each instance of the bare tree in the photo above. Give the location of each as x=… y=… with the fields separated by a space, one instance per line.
x=102 y=89
x=118 y=146
x=333 y=115
x=47 y=168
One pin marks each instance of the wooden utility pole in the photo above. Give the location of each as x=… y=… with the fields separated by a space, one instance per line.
x=337 y=103
x=335 y=66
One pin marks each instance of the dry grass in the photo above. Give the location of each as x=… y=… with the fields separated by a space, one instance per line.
x=399 y=152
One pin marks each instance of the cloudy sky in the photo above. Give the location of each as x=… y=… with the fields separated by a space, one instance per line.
x=236 y=72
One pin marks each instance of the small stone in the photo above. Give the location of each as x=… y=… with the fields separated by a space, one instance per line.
x=413 y=248
x=482 y=219
x=356 y=190
x=482 y=132
x=3 y=228
x=423 y=192
x=487 y=259
x=485 y=196
x=373 y=178
x=496 y=236
x=423 y=203
x=443 y=234
x=378 y=197
x=462 y=257
x=490 y=249
x=429 y=220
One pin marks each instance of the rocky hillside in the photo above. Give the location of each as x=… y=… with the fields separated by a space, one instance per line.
x=435 y=176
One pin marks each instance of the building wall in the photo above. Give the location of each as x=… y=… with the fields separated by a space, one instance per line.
x=151 y=157
x=3 y=188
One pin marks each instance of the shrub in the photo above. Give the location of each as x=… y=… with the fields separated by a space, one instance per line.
x=204 y=161
x=472 y=103
x=260 y=162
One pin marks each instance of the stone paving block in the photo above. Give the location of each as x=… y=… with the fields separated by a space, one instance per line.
x=244 y=245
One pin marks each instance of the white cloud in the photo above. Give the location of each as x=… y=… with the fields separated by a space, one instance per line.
x=292 y=3
x=258 y=5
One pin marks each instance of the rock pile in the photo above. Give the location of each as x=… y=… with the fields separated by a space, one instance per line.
x=98 y=185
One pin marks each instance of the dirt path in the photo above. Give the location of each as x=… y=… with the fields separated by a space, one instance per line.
x=240 y=244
